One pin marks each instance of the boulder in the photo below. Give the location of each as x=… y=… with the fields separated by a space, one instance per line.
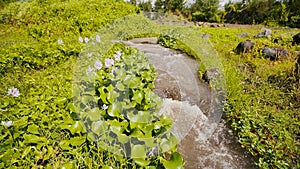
x=244 y=47
x=265 y=33
x=242 y=35
x=297 y=70
x=210 y=74
x=277 y=39
x=274 y=53
x=296 y=39
x=206 y=36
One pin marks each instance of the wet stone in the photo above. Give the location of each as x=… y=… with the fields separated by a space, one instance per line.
x=296 y=39
x=242 y=35
x=244 y=47
x=206 y=36
x=274 y=53
x=265 y=33
x=210 y=74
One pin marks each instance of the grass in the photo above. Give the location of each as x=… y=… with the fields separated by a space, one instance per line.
x=261 y=106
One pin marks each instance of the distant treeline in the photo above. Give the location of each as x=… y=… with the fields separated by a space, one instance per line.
x=268 y=12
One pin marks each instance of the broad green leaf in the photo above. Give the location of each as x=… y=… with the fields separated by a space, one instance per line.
x=76 y=141
x=94 y=114
x=112 y=95
x=138 y=151
x=175 y=162
x=64 y=144
x=115 y=109
x=141 y=117
x=76 y=127
x=99 y=127
x=141 y=162
x=120 y=86
x=61 y=100
x=168 y=143
x=138 y=96
x=165 y=145
x=49 y=153
x=147 y=129
x=121 y=74
x=87 y=99
x=123 y=138
x=151 y=167
x=149 y=141
x=103 y=95
x=27 y=151
x=30 y=138
x=91 y=136
x=68 y=166
x=116 y=126
x=34 y=129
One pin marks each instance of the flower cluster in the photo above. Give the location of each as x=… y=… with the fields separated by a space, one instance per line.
x=86 y=39
x=108 y=62
x=14 y=92
x=81 y=40
x=104 y=107
x=7 y=124
x=98 y=64
x=117 y=55
x=60 y=42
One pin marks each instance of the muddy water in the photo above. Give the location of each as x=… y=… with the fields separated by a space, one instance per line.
x=205 y=140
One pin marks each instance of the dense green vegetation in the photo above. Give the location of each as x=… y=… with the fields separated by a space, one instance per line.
x=263 y=99
x=267 y=12
x=262 y=103
x=40 y=44
x=41 y=127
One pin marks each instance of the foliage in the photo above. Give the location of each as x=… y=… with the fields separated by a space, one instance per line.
x=169 y=5
x=127 y=124
x=60 y=138
x=263 y=12
x=48 y=21
x=262 y=105
x=145 y=6
x=41 y=128
x=205 y=10
x=171 y=42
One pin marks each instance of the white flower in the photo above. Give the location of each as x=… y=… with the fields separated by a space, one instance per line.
x=104 y=107
x=89 y=54
x=109 y=63
x=80 y=39
x=7 y=124
x=117 y=55
x=86 y=40
x=98 y=64
x=98 y=39
x=60 y=42
x=14 y=92
x=90 y=71
x=113 y=70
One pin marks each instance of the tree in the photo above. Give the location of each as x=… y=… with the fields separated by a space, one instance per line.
x=205 y=10
x=146 y=6
x=160 y=6
x=169 y=5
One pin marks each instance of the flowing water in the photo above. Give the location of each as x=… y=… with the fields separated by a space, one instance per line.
x=204 y=139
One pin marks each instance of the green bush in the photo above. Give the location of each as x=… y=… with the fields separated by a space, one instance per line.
x=261 y=105
x=48 y=21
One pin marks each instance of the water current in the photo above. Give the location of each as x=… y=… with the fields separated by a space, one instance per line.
x=205 y=141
